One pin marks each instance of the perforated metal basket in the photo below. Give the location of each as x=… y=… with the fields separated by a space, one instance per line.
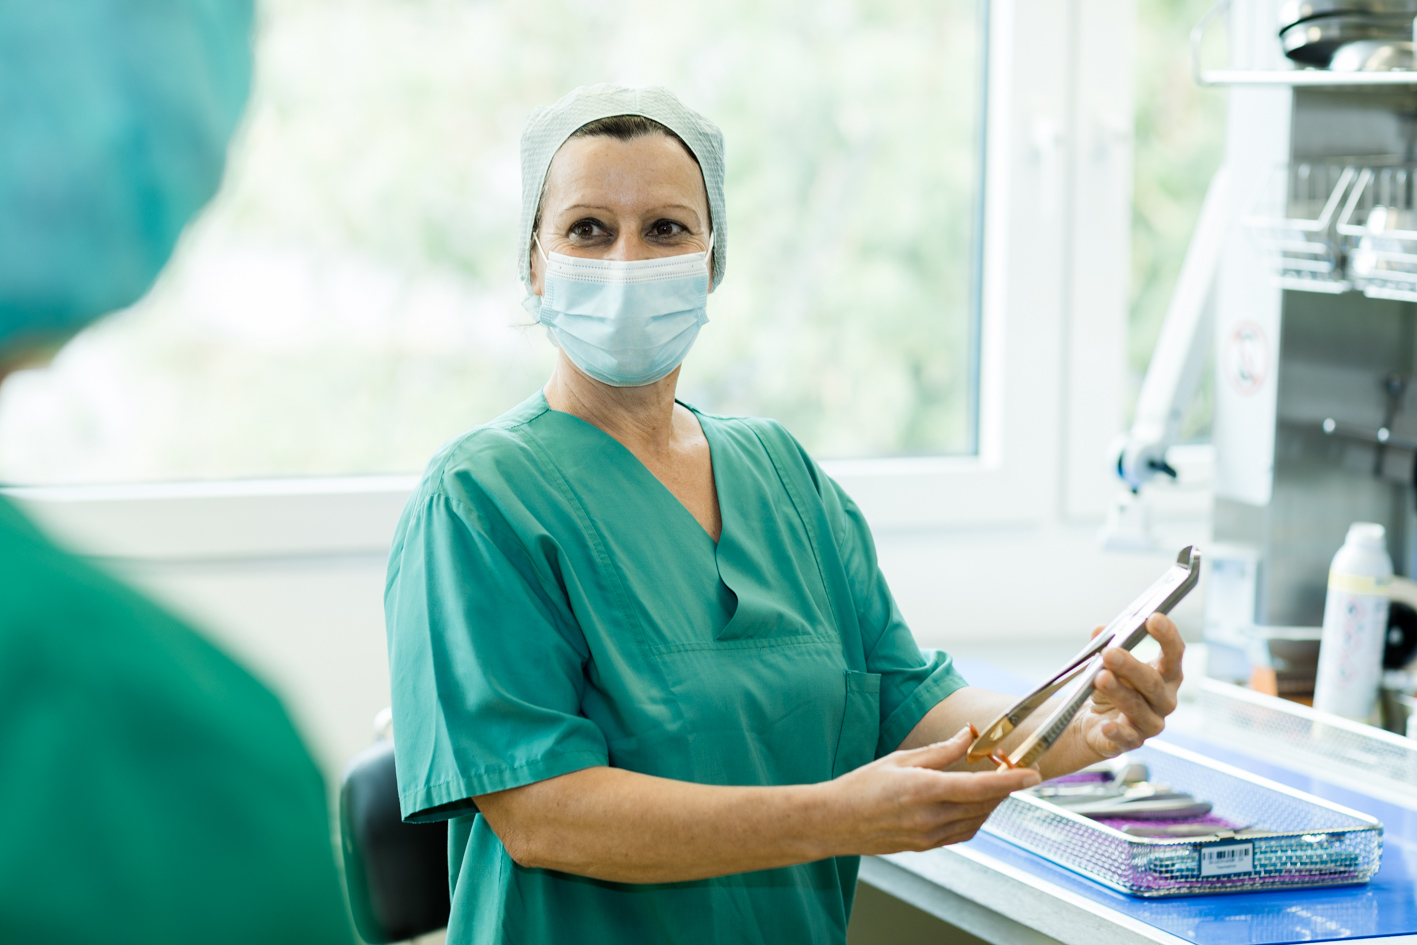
x=1290 y=734
x=1300 y=841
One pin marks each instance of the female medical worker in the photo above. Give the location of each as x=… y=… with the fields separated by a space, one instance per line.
x=651 y=644
x=151 y=791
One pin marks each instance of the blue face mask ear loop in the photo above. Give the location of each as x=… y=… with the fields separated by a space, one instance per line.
x=708 y=258
x=533 y=303
x=536 y=238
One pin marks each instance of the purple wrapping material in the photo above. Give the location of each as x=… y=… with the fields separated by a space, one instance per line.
x=1209 y=820
x=1083 y=777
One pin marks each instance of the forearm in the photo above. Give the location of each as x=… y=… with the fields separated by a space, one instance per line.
x=980 y=707
x=618 y=825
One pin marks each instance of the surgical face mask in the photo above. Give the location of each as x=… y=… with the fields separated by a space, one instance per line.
x=625 y=324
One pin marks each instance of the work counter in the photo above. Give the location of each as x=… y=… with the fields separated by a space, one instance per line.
x=1002 y=893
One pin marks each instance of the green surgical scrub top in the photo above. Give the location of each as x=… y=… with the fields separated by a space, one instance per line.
x=551 y=606
x=151 y=791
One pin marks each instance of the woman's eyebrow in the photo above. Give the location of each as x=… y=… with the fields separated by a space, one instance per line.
x=679 y=206
x=593 y=208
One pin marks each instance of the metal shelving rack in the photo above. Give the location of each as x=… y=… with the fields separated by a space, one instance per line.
x=1306 y=78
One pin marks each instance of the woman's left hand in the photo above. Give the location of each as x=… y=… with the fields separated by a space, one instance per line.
x=1133 y=698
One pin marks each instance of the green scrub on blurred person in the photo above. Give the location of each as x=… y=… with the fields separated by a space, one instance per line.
x=151 y=790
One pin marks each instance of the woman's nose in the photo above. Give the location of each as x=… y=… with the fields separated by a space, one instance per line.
x=630 y=246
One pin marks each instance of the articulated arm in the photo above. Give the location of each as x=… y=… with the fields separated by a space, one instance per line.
x=1181 y=351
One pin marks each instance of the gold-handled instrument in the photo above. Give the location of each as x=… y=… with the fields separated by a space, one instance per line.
x=1125 y=631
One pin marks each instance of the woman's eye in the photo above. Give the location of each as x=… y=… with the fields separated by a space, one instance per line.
x=586 y=229
x=665 y=229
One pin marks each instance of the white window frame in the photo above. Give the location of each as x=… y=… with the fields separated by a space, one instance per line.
x=1055 y=283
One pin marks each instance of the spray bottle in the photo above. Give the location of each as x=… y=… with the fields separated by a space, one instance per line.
x=1355 y=624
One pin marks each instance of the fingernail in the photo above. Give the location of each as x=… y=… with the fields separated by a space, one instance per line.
x=1032 y=778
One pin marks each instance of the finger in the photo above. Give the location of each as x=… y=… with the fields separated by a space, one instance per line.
x=1173 y=649
x=946 y=839
x=1142 y=678
x=1140 y=713
x=1131 y=704
x=945 y=816
x=1123 y=735
x=1095 y=631
x=964 y=832
x=926 y=821
x=964 y=787
x=940 y=755
x=957 y=832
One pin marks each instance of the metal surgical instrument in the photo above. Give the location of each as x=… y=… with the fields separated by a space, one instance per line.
x=1125 y=631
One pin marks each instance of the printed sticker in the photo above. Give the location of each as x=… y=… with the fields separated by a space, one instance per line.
x=1228 y=859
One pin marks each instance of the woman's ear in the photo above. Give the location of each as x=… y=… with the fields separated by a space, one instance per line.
x=536 y=271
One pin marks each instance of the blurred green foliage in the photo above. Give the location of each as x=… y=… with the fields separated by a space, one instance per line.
x=349 y=302
x=1180 y=135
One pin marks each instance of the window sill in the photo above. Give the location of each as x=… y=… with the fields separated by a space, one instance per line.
x=356 y=515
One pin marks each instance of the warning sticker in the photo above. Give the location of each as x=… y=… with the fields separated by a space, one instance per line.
x=1228 y=859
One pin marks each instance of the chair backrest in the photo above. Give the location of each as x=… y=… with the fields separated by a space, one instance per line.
x=396 y=873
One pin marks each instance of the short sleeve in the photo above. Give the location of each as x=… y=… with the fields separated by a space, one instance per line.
x=486 y=659
x=912 y=681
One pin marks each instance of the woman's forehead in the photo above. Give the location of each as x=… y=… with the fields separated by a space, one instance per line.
x=611 y=173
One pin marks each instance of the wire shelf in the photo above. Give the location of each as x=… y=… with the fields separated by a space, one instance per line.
x=1378 y=229
x=1294 y=221
x=1294 y=840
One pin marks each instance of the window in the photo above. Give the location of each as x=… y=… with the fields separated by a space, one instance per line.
x=349 y=300
x=1180 y=135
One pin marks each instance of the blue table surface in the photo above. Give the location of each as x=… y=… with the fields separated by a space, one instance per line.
x=1385 y=906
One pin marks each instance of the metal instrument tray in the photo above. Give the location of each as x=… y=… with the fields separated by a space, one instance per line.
x=1298 y=736
x=1294 y=840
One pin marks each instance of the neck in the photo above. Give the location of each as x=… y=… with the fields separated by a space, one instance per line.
x=641 y=418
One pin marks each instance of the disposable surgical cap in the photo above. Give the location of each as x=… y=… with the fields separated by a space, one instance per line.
x=114 y=120
x=547 y=128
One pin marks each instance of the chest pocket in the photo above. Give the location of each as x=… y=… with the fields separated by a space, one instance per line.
x=860 y=723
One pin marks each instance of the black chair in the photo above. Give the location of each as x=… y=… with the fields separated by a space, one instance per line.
x=396 y=873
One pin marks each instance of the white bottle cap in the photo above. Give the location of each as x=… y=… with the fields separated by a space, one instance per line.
x=1367 y=533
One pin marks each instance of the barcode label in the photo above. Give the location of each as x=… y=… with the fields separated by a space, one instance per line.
x=1228 y=859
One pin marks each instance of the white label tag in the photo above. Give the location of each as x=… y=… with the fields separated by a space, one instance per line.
x=1228 y=859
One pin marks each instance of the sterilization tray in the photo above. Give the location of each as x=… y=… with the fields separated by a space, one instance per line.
x=1298 y=840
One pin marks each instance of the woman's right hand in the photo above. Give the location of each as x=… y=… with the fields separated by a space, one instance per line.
x=907 y=801
x=626 y=827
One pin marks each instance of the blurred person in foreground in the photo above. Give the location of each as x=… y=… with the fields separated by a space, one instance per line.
x=150 y=789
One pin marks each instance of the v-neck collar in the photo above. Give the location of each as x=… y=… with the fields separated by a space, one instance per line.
x=643 y=470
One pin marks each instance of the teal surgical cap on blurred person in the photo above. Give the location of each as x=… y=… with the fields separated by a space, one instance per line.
x=114 y=122
x=548 y=127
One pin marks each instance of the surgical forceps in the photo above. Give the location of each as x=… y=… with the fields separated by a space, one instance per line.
x=1125 y=631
